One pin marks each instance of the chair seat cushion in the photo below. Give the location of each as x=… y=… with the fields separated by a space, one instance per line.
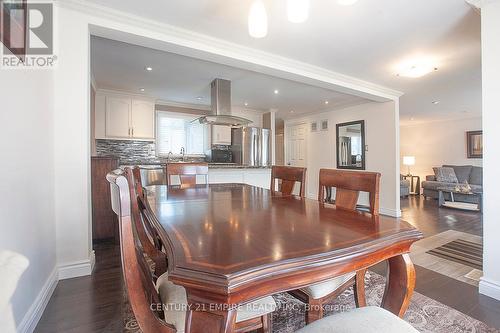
x=174 y=300
x=370 y=319
x=322 y=289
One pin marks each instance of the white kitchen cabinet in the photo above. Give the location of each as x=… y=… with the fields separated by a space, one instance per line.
x=221 y=135
x=143 y=119
x=118 y=117
x=124 y=117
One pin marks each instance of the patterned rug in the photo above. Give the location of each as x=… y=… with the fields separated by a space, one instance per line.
x=425 y=314
x=456 y=254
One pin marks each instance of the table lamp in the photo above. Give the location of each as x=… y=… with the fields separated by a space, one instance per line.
x=409 y=161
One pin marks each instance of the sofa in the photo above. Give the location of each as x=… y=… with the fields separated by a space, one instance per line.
x=404 y=187
x=465 y=173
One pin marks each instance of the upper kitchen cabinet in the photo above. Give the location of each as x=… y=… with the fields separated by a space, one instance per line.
x=120 y=116
x=221 y=135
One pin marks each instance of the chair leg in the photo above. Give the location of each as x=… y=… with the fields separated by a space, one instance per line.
x=266 y=324
x=314 y=311
x=359 y=289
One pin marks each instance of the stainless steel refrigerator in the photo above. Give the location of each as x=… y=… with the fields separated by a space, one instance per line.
x=251 y=146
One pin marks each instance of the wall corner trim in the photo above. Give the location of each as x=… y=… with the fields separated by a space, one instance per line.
x=34 y=313
x=489 y=288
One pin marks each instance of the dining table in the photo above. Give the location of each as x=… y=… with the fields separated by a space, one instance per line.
x=230 y=244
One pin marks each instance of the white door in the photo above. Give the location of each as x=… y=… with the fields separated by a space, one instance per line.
x=296 y=143
x=118 y=117
x=143 y=119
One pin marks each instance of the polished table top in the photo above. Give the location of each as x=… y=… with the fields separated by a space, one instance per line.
x=229 y=233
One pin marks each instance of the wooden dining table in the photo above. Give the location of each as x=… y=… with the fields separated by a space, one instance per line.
x=229 y=244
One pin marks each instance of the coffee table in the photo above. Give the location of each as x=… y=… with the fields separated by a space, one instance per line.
x=457 y=204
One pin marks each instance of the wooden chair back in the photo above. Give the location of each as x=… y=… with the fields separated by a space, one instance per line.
x=146 y=230
x=348 y=184
x=187 y=172
x=288 y=177
x=138 y=278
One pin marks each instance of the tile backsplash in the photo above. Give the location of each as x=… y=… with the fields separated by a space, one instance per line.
x=128 y=151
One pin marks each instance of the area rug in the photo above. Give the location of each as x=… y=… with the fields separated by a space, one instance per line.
x=425 y=314
x=455 y=254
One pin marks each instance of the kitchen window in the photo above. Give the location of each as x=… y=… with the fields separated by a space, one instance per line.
x=175 y=131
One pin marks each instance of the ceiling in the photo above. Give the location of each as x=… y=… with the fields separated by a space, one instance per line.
x=179 y=79
x=366 y=40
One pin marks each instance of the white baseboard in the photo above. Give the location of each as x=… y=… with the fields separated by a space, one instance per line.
x=390 y=212
x=78 y=268
x=489 y=288
x=34 y=313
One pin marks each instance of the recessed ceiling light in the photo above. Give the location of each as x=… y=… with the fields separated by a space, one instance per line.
x=326 y=102
x=149 y=69
x=276 y=91
x=199 y=98
x=142 y=89
x=435 y=102
x=346 y=2
x=246 y=103
x=298 y=10
x=291 y=111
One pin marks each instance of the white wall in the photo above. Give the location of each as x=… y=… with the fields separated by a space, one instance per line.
x=437 y=143
x=27 y=178
x=490 y=282
x=72 y=144
x=381 y=130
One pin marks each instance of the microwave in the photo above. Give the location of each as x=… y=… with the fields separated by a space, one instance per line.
x=220 y=156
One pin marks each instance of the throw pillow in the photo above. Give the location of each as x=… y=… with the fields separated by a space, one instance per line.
x=445 y=175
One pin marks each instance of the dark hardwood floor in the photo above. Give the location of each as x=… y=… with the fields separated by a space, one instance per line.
x=93 y=303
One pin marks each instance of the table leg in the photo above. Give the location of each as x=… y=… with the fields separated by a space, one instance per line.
x=400 y=284
x=210 y=318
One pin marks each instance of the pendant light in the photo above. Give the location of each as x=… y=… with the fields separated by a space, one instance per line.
x=257 y=20
x=298 y=10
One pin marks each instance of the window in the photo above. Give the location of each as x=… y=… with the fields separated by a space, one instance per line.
x=175 y=131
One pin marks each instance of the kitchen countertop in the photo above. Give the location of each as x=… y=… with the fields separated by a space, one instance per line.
x=157 y=164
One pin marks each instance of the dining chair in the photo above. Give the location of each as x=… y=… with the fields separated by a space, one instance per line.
x=158 y=304
x=364 y=320
x=288 y=177
x=187 y=172
x=146 y=218
x=348 y=185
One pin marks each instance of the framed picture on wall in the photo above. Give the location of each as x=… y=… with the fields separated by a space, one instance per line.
x=13 y=27
x=475 y=144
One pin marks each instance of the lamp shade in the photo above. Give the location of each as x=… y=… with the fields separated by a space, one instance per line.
x=409 y=160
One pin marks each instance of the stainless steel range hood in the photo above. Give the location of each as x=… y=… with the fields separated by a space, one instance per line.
x=221 y=106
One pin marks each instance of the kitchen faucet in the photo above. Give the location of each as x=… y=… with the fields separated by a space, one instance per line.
x=183 y=153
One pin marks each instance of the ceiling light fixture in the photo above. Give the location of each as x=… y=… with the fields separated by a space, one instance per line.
x=246 y=103
x=346 y=2
x=149 y=69
x=276 y=91
x=326 y=102
x=199 y=98
x=435 y=102
x=416 y=67
x=298 y=10
x=142 y=89
x=291 y=111
x=257 y=20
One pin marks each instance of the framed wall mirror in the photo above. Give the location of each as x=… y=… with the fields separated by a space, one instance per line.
x=351 y=145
